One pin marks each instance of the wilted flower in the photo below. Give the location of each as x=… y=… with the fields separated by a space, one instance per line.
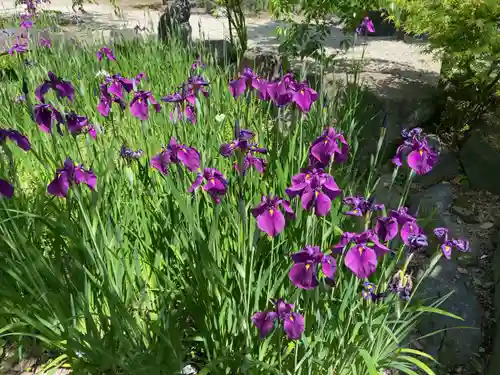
x=386 y=228
x=45 y=42
x=21 y=140
x=139 y=105
x=176 y=153
x=105 y=51
x=402 y=285
x=215 y=183
x=360 y=206
x=304 y=272
x=129 y=154
x=316 y=189
x=369 y=292
x=18 y=47
x=6 y=189
x=447 y=245
x=330 y=145
x=63 y=89
x=365 y=27
x=67 y=176
x=269 y=217
x=417 y=241
x=363 y=249
x=293 y=323
x=420 y=156
x=20 y=99
x=45 y=116
x=79 y=124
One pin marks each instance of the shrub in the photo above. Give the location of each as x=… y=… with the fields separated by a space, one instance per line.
x=136 y=229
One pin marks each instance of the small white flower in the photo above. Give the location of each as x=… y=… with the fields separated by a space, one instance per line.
x=189 y=370
x=102 y=73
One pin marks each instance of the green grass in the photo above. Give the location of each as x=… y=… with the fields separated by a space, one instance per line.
x=135 y=276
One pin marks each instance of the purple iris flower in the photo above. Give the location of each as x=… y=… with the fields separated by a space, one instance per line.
x=280 y=91
x=293 y=322
x=303 y=96
x=195 y=85
x=420 y=156
x=198 y=64
x=45 y=42
x=386 y=228
x=408 y=226
x=330 y=145
x=106 y=99
x=242 y=143
x=6 y=189
x=361 y=206
x=246 y=80
x=402 y=285
x=362 y=252
x=215 y=183
x=63 y=89
x=316 y=189
x=183 y=108
x=68 y=175
x=26 y=21
x=105 y=51
x=249 y=161
x=304 y=271
x=129 y=154
x=21 y=140
x=116 y=84
x=177 y=154
x=45 y=116
x=447 y=245
x=139 y=105
x=369 y=292
x=365 y=27
x=18 y=47
x=79 y=124
x=269 y=217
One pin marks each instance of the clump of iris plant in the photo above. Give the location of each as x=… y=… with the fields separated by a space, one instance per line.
x=304 y=271
x=316 y=188
x=330 y=146
x=269 y=217
x=105 y=52
x=176 y=153
x=69 y=175
x=139 y=105
x=62 y=88
x=447 y=244
x=242 y=144
x=361 y=252
x=46 y=115
x=420 y=156
x=293 y=322
x=215 y=183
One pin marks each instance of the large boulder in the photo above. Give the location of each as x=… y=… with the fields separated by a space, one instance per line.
x=268 y=64
x=480 y=157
